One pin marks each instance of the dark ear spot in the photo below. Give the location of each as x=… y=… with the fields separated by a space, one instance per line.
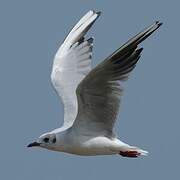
x=46 y=140
x=54 y=140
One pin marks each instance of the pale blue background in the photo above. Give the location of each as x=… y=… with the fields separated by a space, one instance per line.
x=31 y=32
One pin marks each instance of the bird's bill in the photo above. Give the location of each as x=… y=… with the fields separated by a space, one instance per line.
x=34 y=144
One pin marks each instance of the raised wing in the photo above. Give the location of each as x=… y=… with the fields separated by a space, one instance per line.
x=71 y=64
x=100 y=92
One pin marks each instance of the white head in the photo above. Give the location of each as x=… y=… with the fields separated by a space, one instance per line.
x=47 y=141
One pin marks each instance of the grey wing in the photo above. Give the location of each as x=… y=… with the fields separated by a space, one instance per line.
x=99 y=94
x=72 y=63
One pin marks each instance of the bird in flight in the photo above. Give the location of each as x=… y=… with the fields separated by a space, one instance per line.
x=91 y=97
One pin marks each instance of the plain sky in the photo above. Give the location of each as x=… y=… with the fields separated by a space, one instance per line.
x=30 y=34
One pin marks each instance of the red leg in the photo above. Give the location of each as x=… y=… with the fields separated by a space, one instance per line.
x=132 y=154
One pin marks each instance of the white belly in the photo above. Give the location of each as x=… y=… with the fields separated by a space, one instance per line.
x=92 y=147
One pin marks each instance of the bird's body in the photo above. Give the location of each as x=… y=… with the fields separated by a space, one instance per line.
x=72 y=142
x=91 y=98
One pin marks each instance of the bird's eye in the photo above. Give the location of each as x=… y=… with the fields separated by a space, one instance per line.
x=54 y=140
x=46 y=140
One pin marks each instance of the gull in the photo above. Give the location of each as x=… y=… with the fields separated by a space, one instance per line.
x=91 y=97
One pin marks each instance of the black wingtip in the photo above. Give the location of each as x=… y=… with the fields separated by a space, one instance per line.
x=98 y=13
x=90 y=40
x=159 y=23
x=139 y=50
